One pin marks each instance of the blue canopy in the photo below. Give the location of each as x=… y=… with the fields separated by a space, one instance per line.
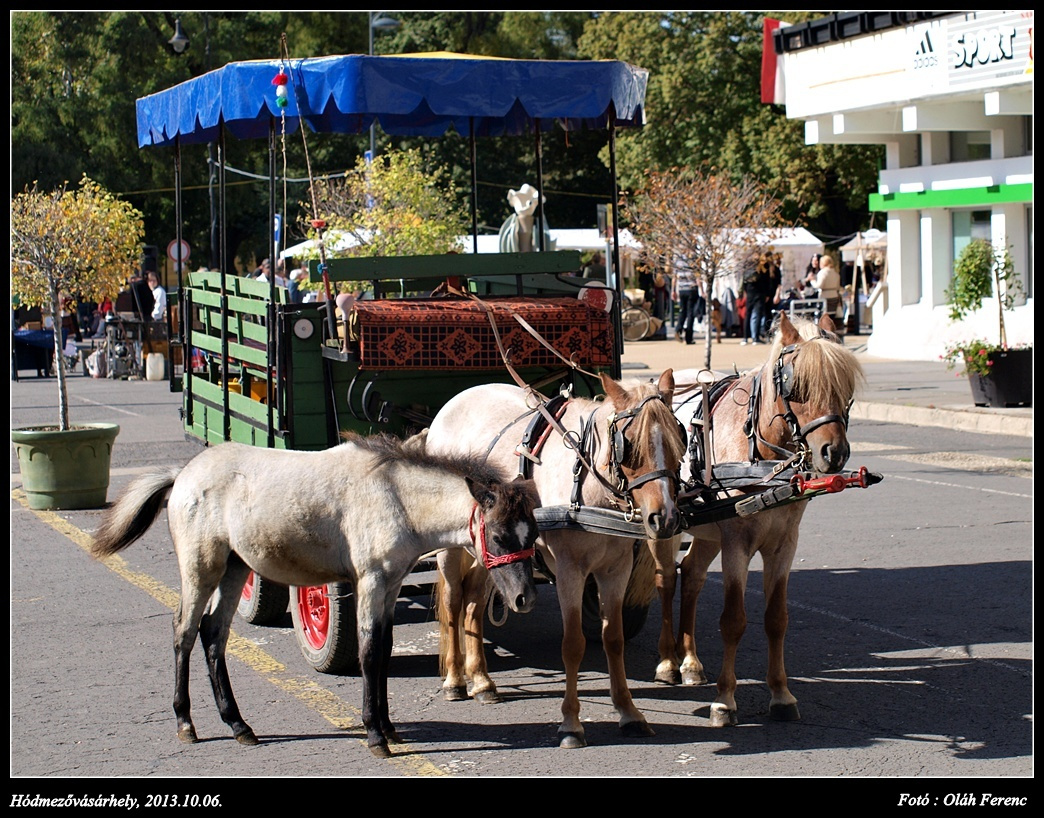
x=419 y=94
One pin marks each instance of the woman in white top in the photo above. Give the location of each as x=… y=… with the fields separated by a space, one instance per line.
x=159 y=295
x=828 y=284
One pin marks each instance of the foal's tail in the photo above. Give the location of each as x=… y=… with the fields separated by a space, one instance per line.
x=134 y=512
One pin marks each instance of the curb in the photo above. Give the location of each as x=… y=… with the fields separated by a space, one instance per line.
x=981 y=422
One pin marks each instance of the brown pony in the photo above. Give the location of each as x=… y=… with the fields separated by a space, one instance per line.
x=795 y=408
x=630 y=450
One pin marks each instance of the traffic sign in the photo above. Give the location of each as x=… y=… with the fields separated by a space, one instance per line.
x=174 y=255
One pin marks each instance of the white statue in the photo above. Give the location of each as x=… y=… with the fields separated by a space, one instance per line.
x=516 y=234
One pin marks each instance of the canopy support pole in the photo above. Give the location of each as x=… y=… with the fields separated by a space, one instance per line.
x=272 y=339
x=227 y=419
x=473 y=150
x=618 y=301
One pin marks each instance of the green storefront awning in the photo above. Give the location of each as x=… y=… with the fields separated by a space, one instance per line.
x=964 y=197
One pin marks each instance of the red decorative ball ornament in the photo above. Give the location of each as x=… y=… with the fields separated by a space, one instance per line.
x=280 y=81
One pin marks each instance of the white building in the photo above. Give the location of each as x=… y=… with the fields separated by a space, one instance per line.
x=950 y=96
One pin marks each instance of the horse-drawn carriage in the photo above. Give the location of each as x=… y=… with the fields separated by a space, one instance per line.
x=269 y=373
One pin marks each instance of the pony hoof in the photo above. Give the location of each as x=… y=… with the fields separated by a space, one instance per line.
x=458 y=693
x=784 y=712
x=188 y=734
x=247 y=737
x=571 y=741
x=668 y=676
x=694 y=677
x=721 y=716
x=487 y=697
x=380 y=749
x=637 y=729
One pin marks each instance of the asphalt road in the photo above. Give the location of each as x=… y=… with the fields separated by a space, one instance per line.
x=909 y=649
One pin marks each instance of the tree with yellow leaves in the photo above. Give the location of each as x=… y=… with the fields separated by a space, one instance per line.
x=84 y=242
x=400 y=204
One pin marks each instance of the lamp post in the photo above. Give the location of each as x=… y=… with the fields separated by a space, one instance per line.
x=378 y=22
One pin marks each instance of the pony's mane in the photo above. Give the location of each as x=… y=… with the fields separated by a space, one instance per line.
x=387 y=448
x=826 y=373
x=655 y=412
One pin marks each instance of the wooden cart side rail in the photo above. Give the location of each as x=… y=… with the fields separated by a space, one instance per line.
x=257 y=357
x=208 y=416
x=210 y=280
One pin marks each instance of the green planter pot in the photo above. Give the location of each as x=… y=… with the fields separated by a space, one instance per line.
x=65 y=470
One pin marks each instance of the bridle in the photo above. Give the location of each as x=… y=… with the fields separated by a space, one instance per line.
x=783 y=381
x=478 y=539
x=619 y=448
x=618 y=484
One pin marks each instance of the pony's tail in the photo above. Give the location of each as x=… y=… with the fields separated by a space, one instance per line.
x=641 y=587
x=134 y=512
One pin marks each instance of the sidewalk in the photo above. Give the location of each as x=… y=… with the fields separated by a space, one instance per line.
x=919 y=393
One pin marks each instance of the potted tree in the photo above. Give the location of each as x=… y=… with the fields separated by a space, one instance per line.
x=999 y=374
x=83 y=242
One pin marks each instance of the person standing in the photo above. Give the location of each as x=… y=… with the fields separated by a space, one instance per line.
x=596 y=268
x=296 y=277
x=757 y=289
x=685 y=292
x=159 y=298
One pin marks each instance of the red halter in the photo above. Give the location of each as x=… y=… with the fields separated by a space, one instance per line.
x=488 y=560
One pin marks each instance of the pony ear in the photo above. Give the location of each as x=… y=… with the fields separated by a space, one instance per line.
x=787 y=331
x=826 y=323
x=416 y=443
x=616 y=393
x=666 y=385
x=482 y=493
x=529 y=487
x=613 y=390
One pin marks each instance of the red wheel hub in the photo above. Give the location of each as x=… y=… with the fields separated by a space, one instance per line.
x=248 y=587
x=313 y=606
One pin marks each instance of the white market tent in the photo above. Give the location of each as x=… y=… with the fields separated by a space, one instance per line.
x=796 y=245
x=869 y=242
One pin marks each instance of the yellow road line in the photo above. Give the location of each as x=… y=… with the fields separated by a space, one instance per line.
x=307 y=691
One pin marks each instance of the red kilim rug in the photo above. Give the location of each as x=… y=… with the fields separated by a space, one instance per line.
x=445 y=333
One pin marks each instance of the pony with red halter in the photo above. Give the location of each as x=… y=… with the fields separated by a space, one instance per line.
x=619 y=455
x=362 y=512
x=790 y=415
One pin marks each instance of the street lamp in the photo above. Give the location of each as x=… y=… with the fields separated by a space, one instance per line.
x=378 y=22
x=179 y=42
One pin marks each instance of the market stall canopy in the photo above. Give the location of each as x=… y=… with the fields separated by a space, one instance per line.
x=870 y=242
x=407 y=94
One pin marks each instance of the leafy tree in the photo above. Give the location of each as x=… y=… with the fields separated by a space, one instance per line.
x=76 y=76
x=82 y=243
x=704 y=219
x=704 y=105
x=398 y=205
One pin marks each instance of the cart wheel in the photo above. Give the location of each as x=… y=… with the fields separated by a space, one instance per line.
x=263 y=602
x=324 y=624
x=636 y=324
x=634 y=616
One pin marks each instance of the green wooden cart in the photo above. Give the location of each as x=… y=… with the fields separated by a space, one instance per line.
x=266 y=372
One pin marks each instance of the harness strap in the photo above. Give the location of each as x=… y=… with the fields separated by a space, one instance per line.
x=536 y=434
